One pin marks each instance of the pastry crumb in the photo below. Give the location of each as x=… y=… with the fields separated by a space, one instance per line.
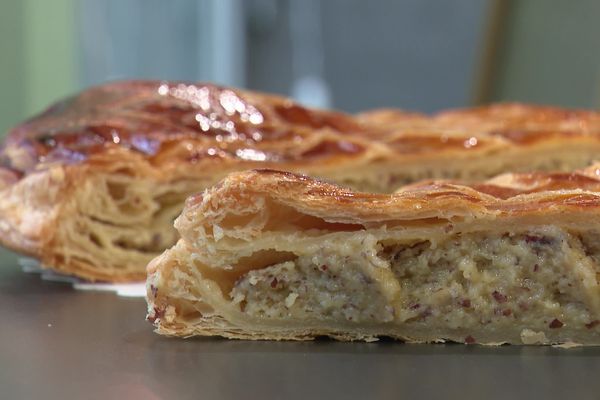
x=529 y=336
x=170 y=313
x=238 y=298
x=567 y=345
x=291 y=299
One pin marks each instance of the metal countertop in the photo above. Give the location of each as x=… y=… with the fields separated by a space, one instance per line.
x=58 y=343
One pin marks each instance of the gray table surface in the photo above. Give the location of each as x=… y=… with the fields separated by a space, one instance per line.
x=57 y=343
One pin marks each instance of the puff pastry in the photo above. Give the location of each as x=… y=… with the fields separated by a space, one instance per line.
x=91 y=186
x=273 y=255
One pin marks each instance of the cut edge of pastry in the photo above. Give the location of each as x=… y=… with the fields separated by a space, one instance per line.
x=101 y=221
x=271 y=255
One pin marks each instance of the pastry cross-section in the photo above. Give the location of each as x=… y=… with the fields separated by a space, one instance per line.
x=274 y=255
x=92 y=185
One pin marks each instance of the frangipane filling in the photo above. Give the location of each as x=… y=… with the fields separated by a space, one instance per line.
x=544 y=279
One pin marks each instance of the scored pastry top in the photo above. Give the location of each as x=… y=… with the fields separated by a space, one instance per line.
x=197 y=123
x=149 y=117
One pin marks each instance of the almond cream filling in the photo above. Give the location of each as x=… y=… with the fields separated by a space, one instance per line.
x=542 y=280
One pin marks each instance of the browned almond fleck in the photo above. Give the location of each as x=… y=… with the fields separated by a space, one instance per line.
x=274 y=283
x=426 y=313
x=157 y=313
x=556 y=324
x=592 y=324
x=499 y=297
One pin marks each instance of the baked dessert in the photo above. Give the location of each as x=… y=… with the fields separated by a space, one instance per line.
x=273 y=255
x=91 y=186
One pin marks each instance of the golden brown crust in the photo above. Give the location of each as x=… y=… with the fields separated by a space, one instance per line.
x=150 y=117
x=259 y=219
x=529 y=193
x=505 y=118
x=195 y=123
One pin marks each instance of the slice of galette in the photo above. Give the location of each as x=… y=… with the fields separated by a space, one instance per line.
x=273 y=255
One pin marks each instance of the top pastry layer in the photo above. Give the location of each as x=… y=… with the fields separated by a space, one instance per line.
x=508 y=195
x=198 y=123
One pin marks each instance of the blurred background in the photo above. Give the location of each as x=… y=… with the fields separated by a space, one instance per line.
x=346 y=54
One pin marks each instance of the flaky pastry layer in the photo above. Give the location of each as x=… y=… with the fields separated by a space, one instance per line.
x=90 y=187
x=273 y=255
